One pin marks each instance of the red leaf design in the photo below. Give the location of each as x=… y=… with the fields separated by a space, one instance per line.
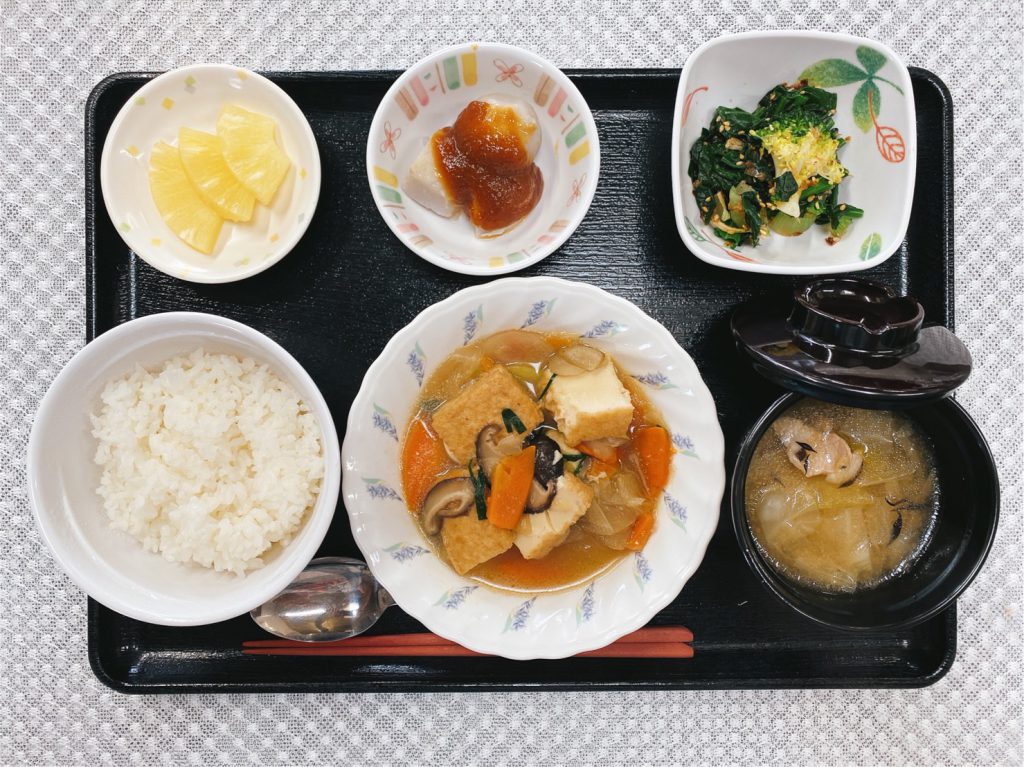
x=890 y=143
x=689 y=100
x=737 y=256
x=888 y=140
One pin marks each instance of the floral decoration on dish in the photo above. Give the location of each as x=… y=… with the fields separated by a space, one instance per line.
x=867 y=102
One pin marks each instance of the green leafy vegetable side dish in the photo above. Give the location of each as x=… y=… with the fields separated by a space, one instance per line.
x=774 y=169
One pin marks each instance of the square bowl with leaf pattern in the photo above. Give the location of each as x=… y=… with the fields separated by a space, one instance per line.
x=539 y=624
x=429 y=96
x=876 y=129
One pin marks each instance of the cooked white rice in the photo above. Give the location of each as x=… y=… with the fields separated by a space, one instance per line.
x=212 y=459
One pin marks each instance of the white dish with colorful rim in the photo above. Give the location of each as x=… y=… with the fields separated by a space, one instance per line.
x=547 y=625
x=193 y=96
x=875 y=108
x=429 y=96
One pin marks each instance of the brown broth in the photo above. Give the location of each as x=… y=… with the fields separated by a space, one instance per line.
x=582 y=557
x=584 y=554
x=845 y=538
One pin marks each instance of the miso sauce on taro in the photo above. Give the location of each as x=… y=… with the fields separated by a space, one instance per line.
x=840 y=519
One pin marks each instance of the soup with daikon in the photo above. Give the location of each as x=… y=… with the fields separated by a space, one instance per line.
x=840 y=498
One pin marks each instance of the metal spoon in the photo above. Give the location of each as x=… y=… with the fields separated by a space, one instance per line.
x=333 y=598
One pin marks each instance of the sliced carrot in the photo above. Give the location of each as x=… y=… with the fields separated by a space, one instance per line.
x=561 y=340
x=640 y=532
x=654 y=449
x=598 y=467
x=602 y=451
x=510 y=486
x=424 y=459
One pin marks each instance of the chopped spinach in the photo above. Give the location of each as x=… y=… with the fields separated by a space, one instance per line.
x=752 y=215
x=785 y=187
x=747 y=168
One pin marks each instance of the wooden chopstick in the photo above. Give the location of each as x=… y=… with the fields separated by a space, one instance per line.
x=409 y=650
x=636 y=649
x=653 y=642
x=632 y=650
x=424 y=639
x=640 y=650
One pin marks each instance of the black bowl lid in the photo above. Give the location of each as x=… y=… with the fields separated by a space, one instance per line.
x=854 y=342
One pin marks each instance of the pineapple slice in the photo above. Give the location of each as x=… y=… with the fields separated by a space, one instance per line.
x=203 y=158
x=180 y=206
x=251 y=151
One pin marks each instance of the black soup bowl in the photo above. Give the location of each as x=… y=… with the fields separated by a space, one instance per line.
x=965 y=527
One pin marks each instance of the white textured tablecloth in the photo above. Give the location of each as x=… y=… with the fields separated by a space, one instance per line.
x=52 y=709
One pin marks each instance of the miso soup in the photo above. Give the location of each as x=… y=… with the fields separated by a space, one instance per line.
x=839 y=498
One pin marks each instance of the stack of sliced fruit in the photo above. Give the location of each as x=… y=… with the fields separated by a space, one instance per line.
x=210 y=177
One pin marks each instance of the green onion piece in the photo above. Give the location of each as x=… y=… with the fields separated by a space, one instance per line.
x=570 y=457
x=579 y=467
x=512 y=421
x=547 y=386
x=478 y=481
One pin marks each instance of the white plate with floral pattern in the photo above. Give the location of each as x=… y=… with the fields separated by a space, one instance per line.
x=428 y=97
x=192 y=96
x=548 y=625
x=875 y=108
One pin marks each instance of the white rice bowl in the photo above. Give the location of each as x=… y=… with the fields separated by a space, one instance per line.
x=113 y=565
x=210 y=459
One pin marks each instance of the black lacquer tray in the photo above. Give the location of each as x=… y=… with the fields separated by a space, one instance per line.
x=348 y=266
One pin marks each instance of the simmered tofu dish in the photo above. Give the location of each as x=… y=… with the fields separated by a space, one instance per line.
x=532 y=462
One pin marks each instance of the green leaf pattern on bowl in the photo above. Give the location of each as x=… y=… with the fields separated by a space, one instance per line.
x=867 y=102
x=870 y=247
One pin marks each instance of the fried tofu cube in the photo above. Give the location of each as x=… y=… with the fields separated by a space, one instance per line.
x=591 y=405
x=459 y=420
x=538 y=534
x=469 y=541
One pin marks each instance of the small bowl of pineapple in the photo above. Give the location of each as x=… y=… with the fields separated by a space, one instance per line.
x=210 y=173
